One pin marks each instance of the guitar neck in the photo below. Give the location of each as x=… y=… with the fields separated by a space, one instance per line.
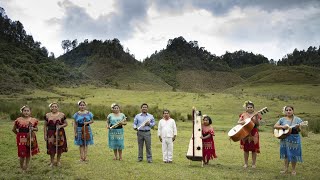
x=262 y=111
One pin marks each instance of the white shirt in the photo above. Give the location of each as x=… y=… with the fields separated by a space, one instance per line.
x=167 y=128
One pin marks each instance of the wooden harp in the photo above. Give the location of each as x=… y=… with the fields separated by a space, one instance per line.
x=195 y=145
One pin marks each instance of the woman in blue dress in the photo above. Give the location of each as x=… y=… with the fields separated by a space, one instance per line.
x=115 y=123
x=290 y=147
x=82 y=130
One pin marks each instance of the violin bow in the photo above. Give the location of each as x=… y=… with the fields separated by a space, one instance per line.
x=57 y=136
x=85 y=139
x=30 y=140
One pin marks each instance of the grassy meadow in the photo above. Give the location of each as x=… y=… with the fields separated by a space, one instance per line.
x=224 y=107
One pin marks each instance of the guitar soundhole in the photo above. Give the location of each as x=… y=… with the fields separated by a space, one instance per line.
x=198 y=148
x=199 y=129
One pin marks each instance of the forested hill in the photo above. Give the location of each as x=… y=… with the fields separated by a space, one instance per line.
x=109 y=51
x=181 y=56
x=24 y=63
x=182 y=65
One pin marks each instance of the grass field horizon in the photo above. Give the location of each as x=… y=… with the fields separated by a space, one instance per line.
x=224 y=107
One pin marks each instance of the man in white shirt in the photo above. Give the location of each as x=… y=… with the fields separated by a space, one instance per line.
x=167 y=132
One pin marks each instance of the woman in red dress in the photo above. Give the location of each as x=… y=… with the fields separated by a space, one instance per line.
x=23 y=127
x=54 y=133
x=208 y=149
x=251 y=142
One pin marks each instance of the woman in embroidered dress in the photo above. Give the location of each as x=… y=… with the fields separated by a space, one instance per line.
x=55 y=121
x=208 y=149
x=83 y=118
x=290 y=147
x=115 y=135
x=22 y=128
x=251 y=142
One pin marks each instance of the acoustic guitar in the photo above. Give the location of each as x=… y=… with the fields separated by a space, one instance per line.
x=239 y=131
x=283 y=133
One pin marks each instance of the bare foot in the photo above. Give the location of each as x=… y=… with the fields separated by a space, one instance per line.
x=293 y=173
x=245 y=166
x=115 y=158
x=254 y=166
x=284 y=171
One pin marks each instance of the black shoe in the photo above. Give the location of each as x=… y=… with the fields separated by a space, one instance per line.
x=139 y=160
x=149 y=161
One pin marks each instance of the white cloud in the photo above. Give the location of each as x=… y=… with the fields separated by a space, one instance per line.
x=272 y=28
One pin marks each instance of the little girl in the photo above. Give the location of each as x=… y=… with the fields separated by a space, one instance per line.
x=208 y=149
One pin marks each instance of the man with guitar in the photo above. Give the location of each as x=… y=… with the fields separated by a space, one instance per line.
x=290 y=146
x=251 y=142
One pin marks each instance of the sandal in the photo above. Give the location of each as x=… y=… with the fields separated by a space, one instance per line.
x=284 y=172
x=293 y=173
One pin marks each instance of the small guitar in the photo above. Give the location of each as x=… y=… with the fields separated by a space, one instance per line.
x=283 y=133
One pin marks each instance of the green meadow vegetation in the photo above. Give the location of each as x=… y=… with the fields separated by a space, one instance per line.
x=223 y=107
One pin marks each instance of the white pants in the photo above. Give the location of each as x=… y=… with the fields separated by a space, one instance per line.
x=167 y=148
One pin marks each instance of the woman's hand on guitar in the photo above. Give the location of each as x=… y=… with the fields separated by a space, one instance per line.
x=285 y=126
x=45 y=138
x=241 y=146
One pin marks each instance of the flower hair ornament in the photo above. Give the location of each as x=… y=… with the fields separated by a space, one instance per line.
x=21 y=109
x=284 y=109
x=113 y=105
x=52 y=104
x=81 y=102
x=246 y=103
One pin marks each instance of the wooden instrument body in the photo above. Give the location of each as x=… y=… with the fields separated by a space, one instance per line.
x=59 y=139
x=32 y=139
x=283 y=133
x=85 y=133
x=239 y=132
x=195 y=145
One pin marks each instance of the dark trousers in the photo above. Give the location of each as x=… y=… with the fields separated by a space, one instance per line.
x=144 y=137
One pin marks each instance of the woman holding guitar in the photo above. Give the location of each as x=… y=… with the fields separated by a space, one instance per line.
x=82 y=130
x=54 y=133
x=290 y=147
x=251 y=142
x=24 y=128
x=115 y=122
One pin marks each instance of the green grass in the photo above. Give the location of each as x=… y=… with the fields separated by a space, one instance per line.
x=223 y=107
x=228 y=165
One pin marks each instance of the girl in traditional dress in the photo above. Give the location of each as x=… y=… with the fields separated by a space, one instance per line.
x=54 y=133
x=82 y=130
x=115 y=135
x=290 y=147
x=23 y=127
x=208 y=149
x=251 y=142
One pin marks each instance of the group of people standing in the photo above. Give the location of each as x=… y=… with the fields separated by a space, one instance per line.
x=56 y=142
x=290 y=146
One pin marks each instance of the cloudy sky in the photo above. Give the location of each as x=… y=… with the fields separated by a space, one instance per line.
x=272 y=28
